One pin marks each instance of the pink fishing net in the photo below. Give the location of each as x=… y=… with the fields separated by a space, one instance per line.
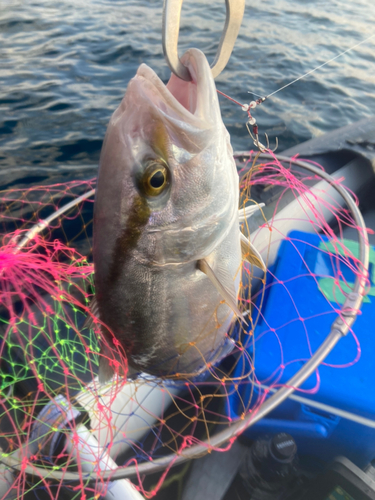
x=51 y=402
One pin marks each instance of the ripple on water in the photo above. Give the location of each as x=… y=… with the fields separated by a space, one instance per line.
x=65 y=66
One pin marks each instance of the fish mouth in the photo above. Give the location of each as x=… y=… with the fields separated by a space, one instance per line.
x=195 y=101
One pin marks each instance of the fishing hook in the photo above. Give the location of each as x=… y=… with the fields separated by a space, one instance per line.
x=171 y=27
x=255 y=137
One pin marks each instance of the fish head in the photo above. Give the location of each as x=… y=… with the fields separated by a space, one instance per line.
x=168 y=182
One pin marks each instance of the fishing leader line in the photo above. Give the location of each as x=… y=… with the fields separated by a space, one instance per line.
x=318 y=67
x=246 y=107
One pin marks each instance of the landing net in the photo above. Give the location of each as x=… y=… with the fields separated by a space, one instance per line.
x=54 y=414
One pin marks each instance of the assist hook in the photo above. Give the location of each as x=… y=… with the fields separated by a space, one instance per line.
x=171 y=27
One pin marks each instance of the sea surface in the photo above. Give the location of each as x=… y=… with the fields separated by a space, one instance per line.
x=65 y=65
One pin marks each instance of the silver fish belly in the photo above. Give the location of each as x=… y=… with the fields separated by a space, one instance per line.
x=167 y=250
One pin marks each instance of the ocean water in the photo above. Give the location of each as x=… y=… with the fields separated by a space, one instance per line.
x=65 y=65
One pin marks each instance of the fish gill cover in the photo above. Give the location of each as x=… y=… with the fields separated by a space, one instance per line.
x=50 y=394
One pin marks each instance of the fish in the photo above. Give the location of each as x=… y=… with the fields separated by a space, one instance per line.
x=167 y=246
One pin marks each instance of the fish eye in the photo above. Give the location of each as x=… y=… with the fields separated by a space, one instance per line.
x=155 y=177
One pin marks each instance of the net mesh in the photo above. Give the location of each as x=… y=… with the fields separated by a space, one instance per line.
x=54 y=414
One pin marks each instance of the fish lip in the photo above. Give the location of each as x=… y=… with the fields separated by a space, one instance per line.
x=195 y=102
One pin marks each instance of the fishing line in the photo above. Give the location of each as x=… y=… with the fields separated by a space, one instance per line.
x=318 y=67
x=251 y=92
x=254 y=134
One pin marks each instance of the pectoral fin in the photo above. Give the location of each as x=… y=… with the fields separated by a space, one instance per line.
x=107 y=368
x=89 y=322
x=251 y=254
x=223 y=284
